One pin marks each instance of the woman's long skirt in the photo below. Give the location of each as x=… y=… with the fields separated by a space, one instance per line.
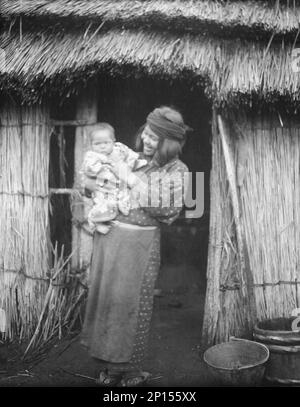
x=124 y=269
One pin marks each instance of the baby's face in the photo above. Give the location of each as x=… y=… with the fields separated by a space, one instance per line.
x=102 y=142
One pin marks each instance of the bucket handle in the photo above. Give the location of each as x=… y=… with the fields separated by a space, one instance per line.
x=234 y=338
x=295 y=324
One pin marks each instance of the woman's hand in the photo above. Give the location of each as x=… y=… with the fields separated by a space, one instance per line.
x=76 y=194
x=124 y=173
x=89 y=185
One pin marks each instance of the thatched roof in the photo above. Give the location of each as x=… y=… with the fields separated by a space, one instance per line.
x=198 y=16
x=154 y=37
x=230 y=67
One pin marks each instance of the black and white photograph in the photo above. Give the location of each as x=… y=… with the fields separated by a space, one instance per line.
x=149 y=196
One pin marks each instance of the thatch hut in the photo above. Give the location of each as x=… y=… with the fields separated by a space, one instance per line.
x=229 y=65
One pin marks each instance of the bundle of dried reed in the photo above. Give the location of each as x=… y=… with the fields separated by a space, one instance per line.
x=24 y=162
x=227 y=307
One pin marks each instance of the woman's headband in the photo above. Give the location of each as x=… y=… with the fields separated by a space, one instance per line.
x=165 y=128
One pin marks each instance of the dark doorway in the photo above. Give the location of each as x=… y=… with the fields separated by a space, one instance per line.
x=125 y=104
x=61 y=174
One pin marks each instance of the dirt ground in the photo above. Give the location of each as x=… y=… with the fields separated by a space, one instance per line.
x=174 y=357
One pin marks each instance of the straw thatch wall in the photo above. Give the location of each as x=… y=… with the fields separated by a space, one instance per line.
x=24 y=202
x=266 y=162
x=270 y=208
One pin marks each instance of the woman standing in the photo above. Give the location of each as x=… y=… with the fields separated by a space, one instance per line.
x=126 y=261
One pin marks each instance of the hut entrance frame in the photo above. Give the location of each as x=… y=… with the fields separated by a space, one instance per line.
x=86 y=117
x=123 y=104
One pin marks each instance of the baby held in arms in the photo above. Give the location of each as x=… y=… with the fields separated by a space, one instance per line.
x=110 y=195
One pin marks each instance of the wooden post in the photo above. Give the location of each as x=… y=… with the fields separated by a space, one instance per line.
x=229 y=164
x=214 y=258
x=86 y=113
x=228 y=305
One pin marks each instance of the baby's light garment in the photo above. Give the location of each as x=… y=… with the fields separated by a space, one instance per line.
x=111 y=195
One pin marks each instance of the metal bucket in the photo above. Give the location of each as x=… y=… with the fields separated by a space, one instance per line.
x=238 y=362
x=284 y=346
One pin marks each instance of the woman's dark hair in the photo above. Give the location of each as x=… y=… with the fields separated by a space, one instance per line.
x=167 y=148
